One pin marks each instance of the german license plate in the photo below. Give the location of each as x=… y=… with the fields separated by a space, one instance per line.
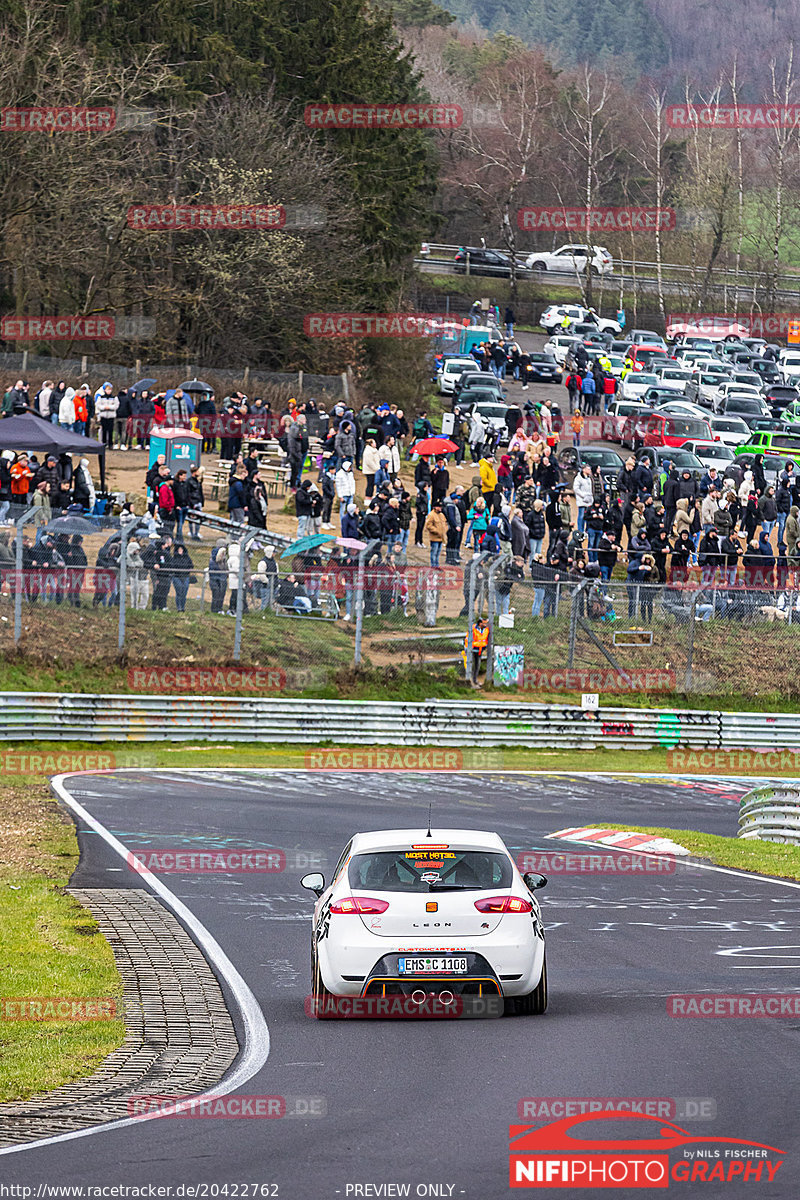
x=427 y=966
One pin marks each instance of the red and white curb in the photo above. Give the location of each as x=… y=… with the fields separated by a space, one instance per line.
x=620 y=839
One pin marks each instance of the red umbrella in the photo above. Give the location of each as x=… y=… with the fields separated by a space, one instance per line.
x=434 y=445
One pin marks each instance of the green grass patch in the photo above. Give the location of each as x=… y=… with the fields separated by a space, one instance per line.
x=49 y=947
x=743 y=854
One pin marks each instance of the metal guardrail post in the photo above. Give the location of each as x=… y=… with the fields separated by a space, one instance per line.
x=359 y=597
x=506 y=557
x=28 y=516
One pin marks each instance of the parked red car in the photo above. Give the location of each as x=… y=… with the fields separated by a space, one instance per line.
x=664 y=429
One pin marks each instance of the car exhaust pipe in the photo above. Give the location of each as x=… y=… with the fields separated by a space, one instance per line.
x=446 y=997
x=418 y=996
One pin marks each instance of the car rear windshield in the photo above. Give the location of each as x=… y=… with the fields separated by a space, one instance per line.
x=724 y=426
x=681 y=458
x=686 y=427
x=539 y=357
x=429 y=870
x=744 y=404
x=606 y=458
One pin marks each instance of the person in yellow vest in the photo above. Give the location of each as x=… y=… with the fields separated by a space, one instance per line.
x=480 y=640
x=566 y=321
x=605 y=363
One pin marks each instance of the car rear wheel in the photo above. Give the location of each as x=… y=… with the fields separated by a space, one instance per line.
x=535 y=1003
x=538 y=266
x=319 y=993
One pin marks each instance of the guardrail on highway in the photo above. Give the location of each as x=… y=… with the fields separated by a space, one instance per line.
x=771 y=814
x=53 y=716
x=443 y=253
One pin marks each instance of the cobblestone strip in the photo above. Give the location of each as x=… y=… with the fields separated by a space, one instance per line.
x=179 y=1037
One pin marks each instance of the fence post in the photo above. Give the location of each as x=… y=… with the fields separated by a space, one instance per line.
x=126 y=532
x=237 y=637
x=475 y=562
x=359 y=598
x=503 y=558
x=28 y=516
x=573 y=619
x=687 y=683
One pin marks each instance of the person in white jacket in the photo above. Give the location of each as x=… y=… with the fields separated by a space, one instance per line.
x=389 y=454
x=234 y=556
x=746 y=487
x=370 y=463
x=66 y=409
x=106 y=406
x=138 y=575
x=584 y=493
x=345 y=486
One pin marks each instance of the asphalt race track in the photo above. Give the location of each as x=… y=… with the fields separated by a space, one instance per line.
x=430 y=1102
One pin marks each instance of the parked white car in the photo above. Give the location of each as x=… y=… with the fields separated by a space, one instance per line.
x=711 y=454
x=731 y=431
x=636 y=383
x=412 y=915
x=451 y=370
x=703 y=385
x=673 y=377
x=789 y=367
x=558 y=345
x=617 y=414
x=683 y=408
x=567 y=260
x=552 y=318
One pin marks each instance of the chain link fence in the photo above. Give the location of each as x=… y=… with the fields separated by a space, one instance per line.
x=80 y=592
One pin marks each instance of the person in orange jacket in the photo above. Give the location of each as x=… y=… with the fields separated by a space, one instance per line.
x=480 y=640
x=81 y=410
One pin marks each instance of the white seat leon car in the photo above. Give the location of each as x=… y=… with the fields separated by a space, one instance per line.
x=412 y=914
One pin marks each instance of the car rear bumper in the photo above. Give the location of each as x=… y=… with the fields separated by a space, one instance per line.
x=513 y=962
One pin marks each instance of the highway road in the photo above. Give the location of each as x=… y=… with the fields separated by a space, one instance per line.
x=427 y=1102
x=676 y=291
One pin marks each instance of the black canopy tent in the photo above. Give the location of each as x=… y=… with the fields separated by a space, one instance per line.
x=30 y=432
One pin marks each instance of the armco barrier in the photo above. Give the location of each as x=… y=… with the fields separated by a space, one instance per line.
x=50 y=716
x=771 y=813
x=755 y=730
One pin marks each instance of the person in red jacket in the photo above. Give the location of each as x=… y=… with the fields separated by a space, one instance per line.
x=21 y=476
x=166 y=502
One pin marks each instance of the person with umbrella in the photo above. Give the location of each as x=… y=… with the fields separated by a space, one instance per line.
x=206 y=412
x=440 y=478
x=177 y=409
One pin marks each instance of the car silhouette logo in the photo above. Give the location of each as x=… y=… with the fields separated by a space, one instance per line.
x=557 y=1136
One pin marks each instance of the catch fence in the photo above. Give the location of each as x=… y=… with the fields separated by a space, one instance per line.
x=222 y=593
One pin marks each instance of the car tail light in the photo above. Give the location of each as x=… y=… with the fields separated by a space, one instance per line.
x=359 y=904
x=504 y=904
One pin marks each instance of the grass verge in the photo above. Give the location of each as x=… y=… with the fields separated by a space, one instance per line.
x=743 y=854
x=49 y=946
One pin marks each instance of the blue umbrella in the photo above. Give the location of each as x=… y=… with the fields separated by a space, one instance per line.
x=306 y=543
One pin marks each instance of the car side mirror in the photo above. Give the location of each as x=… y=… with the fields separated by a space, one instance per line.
x=533 y=881
x=315 y=882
